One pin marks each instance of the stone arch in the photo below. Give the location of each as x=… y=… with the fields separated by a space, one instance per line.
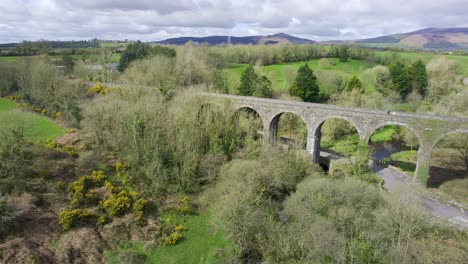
x=381 y=150
x=448 y=133
x=256 y=113
x=319 y=123
x=439 y=172
x=315 y=139
x=371 y=131
x=274 y=121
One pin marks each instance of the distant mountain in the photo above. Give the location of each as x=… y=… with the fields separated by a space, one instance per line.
x=431 y=38
x=217 y=40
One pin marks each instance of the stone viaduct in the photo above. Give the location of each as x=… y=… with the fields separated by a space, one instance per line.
x=429 y=129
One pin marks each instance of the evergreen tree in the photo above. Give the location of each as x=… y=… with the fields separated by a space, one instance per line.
x=354 y=84
x=139 y=50
x=134 y=51
x=247 y=82
x=399 y=77
x=305 y=85
x=418 y=76
x=263 y=87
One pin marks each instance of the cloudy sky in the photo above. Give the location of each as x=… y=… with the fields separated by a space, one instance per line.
x=160 y=19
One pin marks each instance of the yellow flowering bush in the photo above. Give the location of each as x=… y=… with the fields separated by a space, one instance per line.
x=172 y=239
x=117 y=204
x=186 y=207
x=81 y=187
x=99 y=89
x=101 y=221
x=139 y=208
x=179 y=228
x=52 y=144
x=14 y=98
x=72 y=218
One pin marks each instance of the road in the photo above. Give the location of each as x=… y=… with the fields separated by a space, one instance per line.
x=454 y=214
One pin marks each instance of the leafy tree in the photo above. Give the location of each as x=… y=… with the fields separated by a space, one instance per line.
x=247 y=82
x=263 y=87
x=399 y=77
x=344 y=53
x=418 y=75
x=305 y=85
x=354 y=84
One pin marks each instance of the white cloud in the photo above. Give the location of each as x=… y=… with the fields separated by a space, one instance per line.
x=160 y=19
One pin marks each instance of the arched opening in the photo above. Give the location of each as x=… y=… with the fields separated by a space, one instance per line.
x=448 y=172
x=337 y=136
x=396 y=146
x=249 y=123
x=288 y=129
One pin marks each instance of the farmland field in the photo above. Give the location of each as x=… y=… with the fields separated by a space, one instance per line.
x=37 y=128
x=324 y=69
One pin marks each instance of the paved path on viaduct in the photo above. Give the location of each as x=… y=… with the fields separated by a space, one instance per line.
x=429 y=129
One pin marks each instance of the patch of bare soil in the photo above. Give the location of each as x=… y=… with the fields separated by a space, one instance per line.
x=83 y=245
x=73 y=139
x=126 y=229
x=37 y=228
x=24 y=251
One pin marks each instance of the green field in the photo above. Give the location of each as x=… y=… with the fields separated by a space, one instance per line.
x=9 y=58
x=462 y=61
x=278 y=73
x=37 y=128
x=200 y=244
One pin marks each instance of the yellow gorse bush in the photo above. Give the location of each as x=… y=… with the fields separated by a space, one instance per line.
x=99 y=89
x=172 y=239
x=71 y=218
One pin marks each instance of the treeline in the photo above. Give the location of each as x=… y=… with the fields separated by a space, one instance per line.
x=284 y=53
x=30 y=48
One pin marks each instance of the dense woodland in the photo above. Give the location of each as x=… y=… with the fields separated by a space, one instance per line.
x=140 y=159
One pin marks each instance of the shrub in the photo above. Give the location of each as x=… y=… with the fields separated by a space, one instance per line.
x=69 y=219
x=16 y=157
x=52 y=144
x=81 y=188
x=117 y=204
x=139 y=208
x=101 y=221
x=99 y=89
x=172 y=239
x=186 y=207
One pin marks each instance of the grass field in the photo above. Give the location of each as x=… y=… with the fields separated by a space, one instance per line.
x=278 y=73
x=37 y=128
x=8 y=58
x=201 y=244
x=428 y=56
